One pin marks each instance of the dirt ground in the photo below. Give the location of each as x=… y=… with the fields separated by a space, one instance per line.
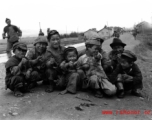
x=81 y=106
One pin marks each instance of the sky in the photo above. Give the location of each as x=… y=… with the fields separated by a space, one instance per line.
x=73 y=15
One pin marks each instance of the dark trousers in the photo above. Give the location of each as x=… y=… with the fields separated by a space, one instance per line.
x=9 y=48
x=70 y=81
x=123 y=85
x=16 y=82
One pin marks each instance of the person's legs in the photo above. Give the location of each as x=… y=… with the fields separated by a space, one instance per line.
x=133 y=88
x=8 y=49
x=120 y=90
x=72 y=84
x=61 y=82
x=82 y=80
x=130 y=85
x=34 y=78
x=51 y=75
x=123 y=85
x=17 y=85
x=94 y=84
x=120 y=86
x=108 y=88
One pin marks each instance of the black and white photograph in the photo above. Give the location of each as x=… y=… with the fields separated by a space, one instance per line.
x=76 y=60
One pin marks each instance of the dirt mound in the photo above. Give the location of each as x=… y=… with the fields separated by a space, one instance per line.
x=144 y=54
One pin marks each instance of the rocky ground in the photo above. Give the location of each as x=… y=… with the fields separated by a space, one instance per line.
x=82 y=106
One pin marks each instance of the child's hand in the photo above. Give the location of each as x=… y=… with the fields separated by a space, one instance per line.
x=115 y=56
x=119 y=77
x=75 y=63
x=129 y=78
x=50 y=62
x=24 y=61
x=125 y=76
x=71 y=64
x=118 y=57
x=40 y=59
x=28 y=73
x=109 y=62
x=85 y=66
x=64 y=65
x=98 y=56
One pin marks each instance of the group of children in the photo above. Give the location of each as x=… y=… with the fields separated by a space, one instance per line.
x=69 y=70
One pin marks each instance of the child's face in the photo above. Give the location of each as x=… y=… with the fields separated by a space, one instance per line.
x=118 y=48
x=20 y=53
x=71 y=56
x=55 y=41
x=93 y=50
x=124 y=63
x=40 y=47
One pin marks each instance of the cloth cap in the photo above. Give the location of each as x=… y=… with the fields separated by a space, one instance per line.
x=93 y=41
x=93 y=35
x=128 y=54
x=70 y=49
x=41 y=39
x=20 y=45
x=117 y=41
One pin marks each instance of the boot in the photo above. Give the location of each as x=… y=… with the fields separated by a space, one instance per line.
x=120 y=93
x=98 y=94
x=50 y=87
x=135 y=93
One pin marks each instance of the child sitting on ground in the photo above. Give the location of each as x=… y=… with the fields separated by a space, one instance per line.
x=71 y=78
x=91 y=64
x=127 y=75
x=17 y=70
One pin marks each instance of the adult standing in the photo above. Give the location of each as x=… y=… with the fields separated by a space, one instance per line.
x=13 y=34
